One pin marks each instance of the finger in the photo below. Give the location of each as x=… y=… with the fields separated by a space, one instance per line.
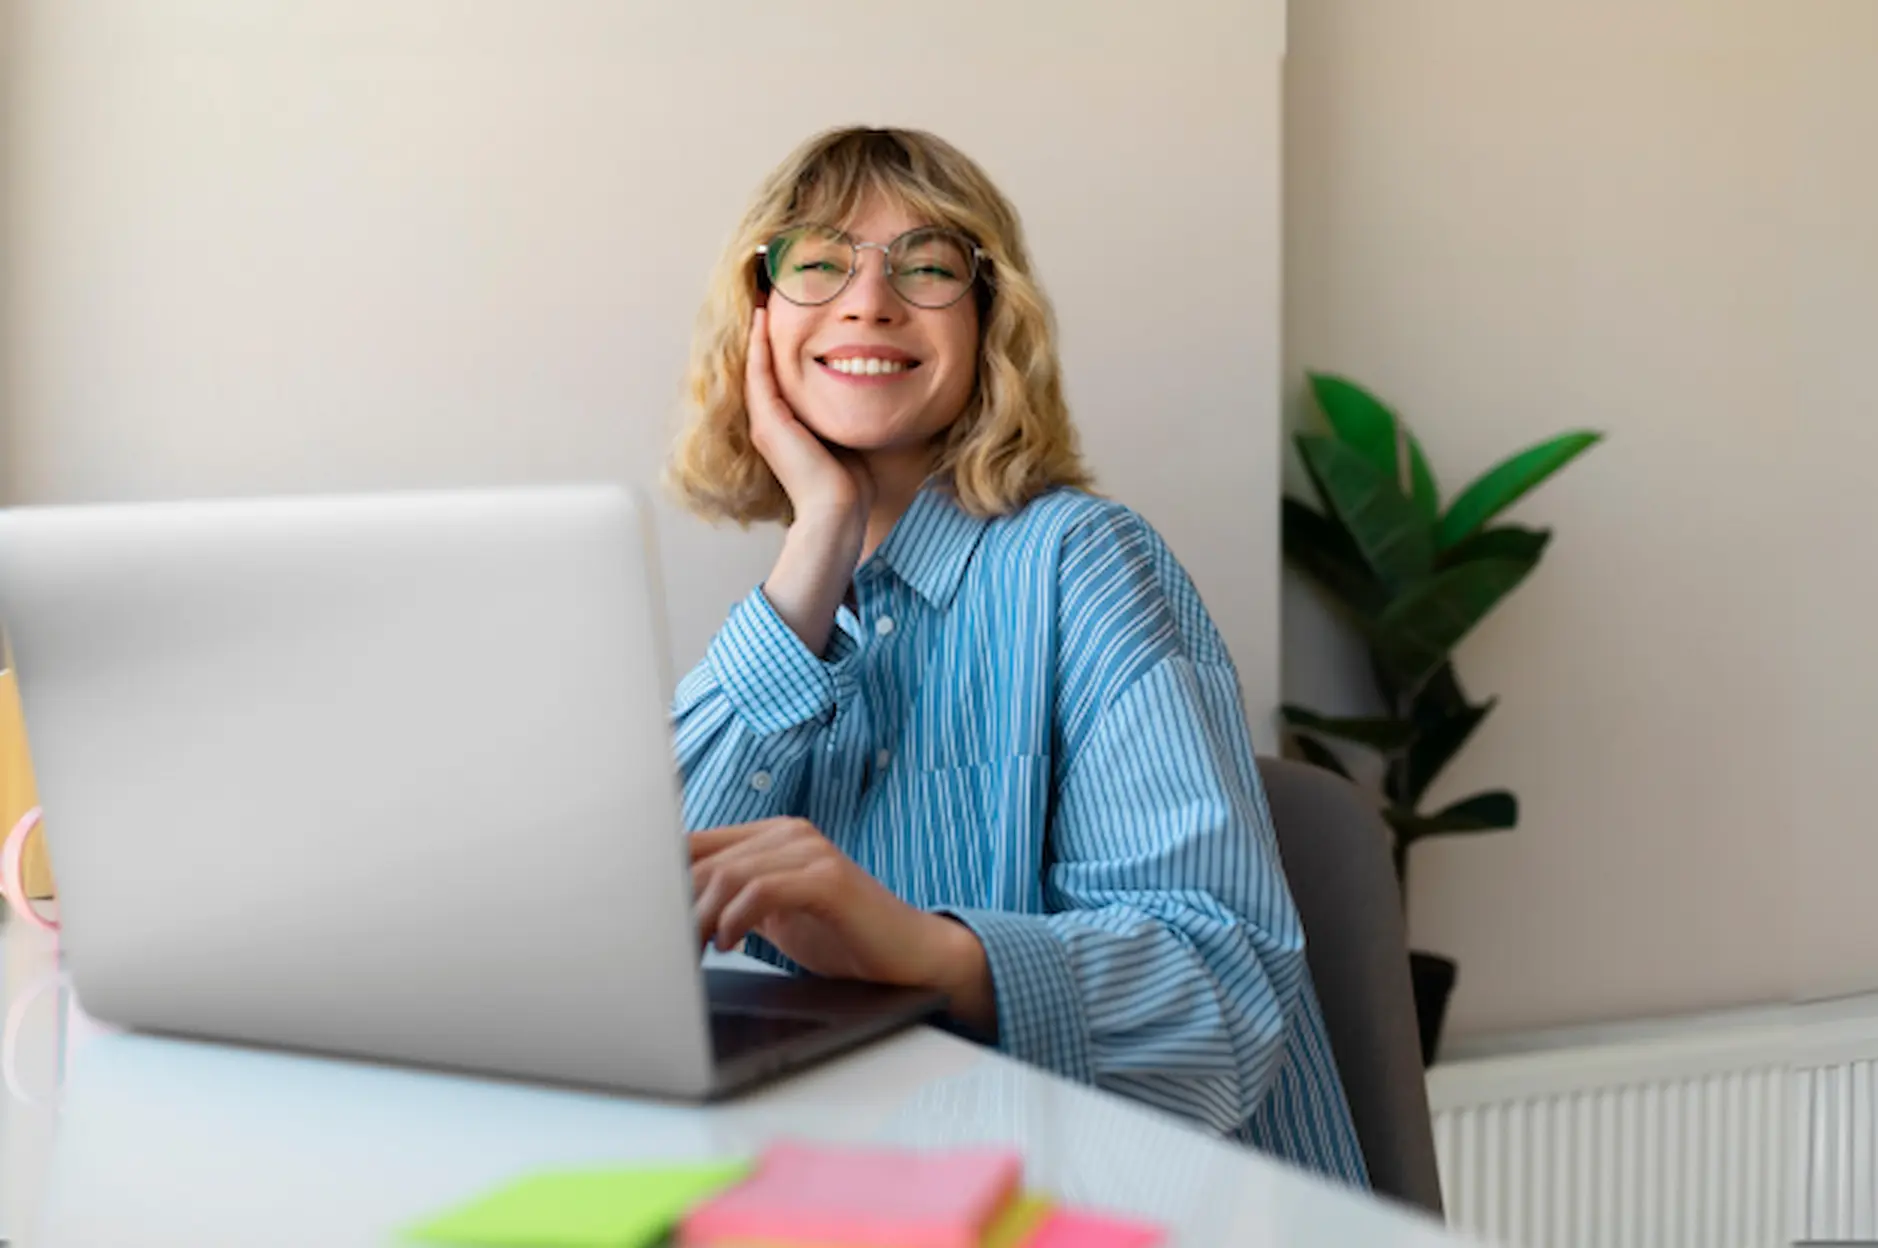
x=716 y=881
x=756 y=857
x=713 y=887
x=711 y=900
x=750 y=862
x=761 y=392
x=764 y=898
x=713 y=841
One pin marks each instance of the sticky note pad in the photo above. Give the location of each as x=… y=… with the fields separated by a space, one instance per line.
x=1011 y=1229
x=1066 y=1228
x=581 y=1208
x=860 y=1198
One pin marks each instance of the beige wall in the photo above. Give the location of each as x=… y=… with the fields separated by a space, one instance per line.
x=357 y=243
x=1655 y=218
x=1835 y=481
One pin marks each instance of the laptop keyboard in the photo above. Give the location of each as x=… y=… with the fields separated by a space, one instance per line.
x=734 y=1033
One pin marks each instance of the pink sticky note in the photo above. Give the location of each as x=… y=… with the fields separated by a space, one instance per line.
x=860 y=1198
x=1066 y=1228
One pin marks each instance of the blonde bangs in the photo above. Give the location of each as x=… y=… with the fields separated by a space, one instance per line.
x=1014 y=439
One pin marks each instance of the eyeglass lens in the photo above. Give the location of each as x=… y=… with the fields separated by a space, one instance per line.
x=811 y=264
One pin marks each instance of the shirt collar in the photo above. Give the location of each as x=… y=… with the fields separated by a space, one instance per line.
x=931 y=544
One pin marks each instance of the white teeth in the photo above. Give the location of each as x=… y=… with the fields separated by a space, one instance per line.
x=870 y=366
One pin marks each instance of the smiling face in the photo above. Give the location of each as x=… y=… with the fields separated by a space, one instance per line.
x=867 y=370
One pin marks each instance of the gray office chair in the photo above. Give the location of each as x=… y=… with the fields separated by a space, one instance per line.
x=1335 y=848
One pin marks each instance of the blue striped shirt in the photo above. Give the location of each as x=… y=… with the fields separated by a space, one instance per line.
x=1031 y=724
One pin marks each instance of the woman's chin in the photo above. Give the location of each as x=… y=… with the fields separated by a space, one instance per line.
x=851 y=435
x=869 y=435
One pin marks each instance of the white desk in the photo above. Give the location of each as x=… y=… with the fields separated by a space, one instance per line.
x=111 y=1139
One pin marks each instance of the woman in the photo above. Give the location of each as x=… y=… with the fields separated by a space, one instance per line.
x=975 y=731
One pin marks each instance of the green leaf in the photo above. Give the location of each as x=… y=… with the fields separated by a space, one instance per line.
x=1504 y=541
x=1396 y=540
x=1318 y=754
x=1438 y=740
x=1503 y=485
x=1493 y=811
x=1419 y=629
x=1367 y=425
x=1324 y=551
x=1440 y=696
x=1386 y=735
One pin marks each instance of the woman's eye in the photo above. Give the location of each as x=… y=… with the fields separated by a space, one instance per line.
x=817 y=266
x=933 y=270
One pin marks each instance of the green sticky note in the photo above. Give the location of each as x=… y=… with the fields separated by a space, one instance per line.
x=581 y=1208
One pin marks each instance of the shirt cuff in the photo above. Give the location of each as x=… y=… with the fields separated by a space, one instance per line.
x=771 y=678
x=1040 y=1017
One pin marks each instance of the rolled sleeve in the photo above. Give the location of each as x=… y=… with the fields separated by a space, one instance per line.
x=772 y=680
x=745 y=720
x=1040 y=1015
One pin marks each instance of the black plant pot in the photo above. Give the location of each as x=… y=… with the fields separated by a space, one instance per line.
x=1433 y=978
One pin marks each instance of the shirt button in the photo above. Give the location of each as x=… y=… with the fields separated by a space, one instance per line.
x=882 y=759
x=884 y=625
x=760 y=781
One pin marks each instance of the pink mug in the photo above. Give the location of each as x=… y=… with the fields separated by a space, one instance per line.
x=13 y=874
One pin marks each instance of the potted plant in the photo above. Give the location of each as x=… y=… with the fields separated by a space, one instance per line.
x=1413 y=578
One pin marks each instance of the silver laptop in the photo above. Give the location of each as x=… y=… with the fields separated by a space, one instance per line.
x=387 y=776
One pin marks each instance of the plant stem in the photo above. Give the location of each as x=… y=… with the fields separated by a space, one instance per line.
x=1396 y=787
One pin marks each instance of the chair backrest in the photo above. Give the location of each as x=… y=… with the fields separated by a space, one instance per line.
x=1335 y=848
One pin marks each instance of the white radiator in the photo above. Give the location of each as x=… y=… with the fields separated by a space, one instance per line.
x=1836 y=1173
x=1752 y=1129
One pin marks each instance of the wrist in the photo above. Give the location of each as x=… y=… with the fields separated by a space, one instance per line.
x=958 y=967
x=811 y=575
x=833 y=531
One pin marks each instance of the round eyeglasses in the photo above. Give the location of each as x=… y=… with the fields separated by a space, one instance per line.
x=929 y=267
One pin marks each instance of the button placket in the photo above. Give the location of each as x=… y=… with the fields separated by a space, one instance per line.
x=874 y=613
x=847 y=698
x=850 y=762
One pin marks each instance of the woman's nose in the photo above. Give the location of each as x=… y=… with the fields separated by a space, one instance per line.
x=870 y=296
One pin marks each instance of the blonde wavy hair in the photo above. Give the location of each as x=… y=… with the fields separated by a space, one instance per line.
x=1014 y=439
